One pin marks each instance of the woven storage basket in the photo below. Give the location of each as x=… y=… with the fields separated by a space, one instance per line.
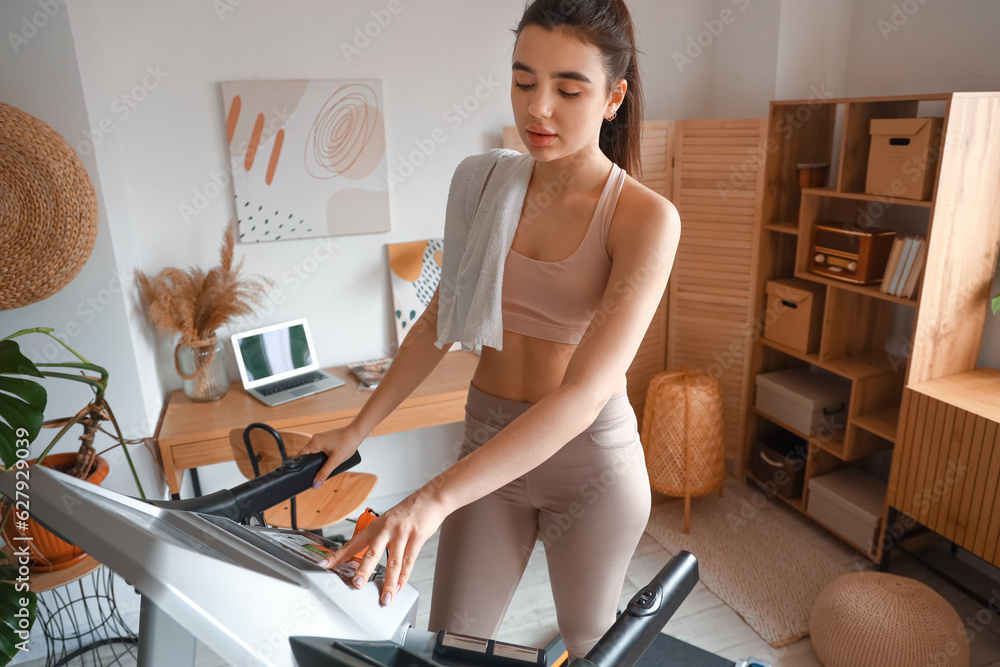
x=48 y=210
x=682 y=431
x=874 y=618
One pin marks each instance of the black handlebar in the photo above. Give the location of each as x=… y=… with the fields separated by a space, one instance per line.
x=646 y=614
x=256 y=495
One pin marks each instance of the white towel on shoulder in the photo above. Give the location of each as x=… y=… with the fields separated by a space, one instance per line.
x=477 y=237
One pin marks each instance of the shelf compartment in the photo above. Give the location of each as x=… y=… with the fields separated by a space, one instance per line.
x=850 y=368
x=804 y=134
x=762 y=486
x=863 y=196
x=833 y=445
x=857 y=138
x=882 y=423
x=871 y=291
x=863 y=443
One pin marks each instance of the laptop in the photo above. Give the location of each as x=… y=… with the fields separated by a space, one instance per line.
x=278 y=363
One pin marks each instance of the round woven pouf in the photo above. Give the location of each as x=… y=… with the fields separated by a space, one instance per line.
x=48 y=210
x=682 y=432
x=874 y=618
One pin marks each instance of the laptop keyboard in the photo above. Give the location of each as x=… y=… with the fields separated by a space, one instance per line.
x=298 y=381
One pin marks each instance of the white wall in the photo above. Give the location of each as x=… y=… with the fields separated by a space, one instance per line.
x=812 y=48
x=39 y=74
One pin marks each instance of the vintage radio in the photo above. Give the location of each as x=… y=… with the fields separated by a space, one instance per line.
x=850 y=254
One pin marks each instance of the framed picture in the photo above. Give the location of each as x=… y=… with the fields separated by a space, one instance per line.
x=414 y=272
x=307 y=157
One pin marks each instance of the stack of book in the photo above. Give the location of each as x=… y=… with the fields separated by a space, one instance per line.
x=905 y=266
x=370 y=373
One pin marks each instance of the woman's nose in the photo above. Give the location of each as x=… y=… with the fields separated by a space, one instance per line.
x=541 y=104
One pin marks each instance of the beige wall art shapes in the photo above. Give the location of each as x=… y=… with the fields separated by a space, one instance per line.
x=308 y=158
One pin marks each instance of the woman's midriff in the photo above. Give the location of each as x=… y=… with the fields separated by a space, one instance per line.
x=527 y=369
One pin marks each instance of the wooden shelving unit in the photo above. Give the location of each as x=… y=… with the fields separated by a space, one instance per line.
x=926 y=405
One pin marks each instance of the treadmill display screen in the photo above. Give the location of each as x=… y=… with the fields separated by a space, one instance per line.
x=311 y=547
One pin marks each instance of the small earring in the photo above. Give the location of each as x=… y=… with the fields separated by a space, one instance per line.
x=613 y=114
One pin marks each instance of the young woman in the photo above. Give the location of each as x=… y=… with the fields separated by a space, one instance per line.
x=551 y=449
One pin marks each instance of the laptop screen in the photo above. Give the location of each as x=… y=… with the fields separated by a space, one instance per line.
x=274 y=353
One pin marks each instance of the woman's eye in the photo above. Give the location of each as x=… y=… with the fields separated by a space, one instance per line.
x=529 y=86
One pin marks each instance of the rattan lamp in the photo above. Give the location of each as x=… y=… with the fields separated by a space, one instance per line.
x=682 y=433
x=48 y=210
x=875 y=618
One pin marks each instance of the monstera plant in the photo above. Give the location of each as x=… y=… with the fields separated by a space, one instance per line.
x=22 y=407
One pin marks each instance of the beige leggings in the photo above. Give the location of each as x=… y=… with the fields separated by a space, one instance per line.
x=588 y=503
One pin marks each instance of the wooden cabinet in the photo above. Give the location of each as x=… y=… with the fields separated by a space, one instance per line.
x=890 y=347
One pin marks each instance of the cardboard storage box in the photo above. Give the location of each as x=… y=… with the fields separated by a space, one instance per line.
x=778 y=461
x=902 y=161
x=808 y=401
x=794 y=313
x=849 y=502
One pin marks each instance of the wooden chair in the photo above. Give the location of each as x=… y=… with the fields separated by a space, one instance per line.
x=310 y=510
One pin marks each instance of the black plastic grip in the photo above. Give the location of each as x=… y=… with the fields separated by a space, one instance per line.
x=256 y=495
x=646 y=614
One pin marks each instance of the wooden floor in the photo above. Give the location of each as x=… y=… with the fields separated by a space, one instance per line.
x=703 y=620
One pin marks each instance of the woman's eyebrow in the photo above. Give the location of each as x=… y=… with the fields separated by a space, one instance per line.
x=575 y=76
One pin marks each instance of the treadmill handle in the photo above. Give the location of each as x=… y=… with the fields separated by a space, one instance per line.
x=646 y=614
x=256 y=495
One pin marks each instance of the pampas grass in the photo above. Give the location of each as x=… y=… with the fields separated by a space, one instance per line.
x=195 y=303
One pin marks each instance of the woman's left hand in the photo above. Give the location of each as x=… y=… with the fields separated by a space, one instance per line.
x=402 y=530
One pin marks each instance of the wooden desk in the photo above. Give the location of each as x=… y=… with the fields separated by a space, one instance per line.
x=196 y=434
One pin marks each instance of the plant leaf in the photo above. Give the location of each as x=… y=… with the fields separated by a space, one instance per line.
x=996 y=304
x=22 y=401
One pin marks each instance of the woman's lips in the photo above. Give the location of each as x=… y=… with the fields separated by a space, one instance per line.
x=541 y=139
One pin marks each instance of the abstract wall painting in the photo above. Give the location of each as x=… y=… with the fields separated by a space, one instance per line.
x=307 y=157
x=414 y=272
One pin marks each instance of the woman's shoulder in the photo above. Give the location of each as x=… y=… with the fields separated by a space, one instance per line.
x=643 y=219
x=641 y=204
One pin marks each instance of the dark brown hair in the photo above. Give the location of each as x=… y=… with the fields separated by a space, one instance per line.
x=607 y=25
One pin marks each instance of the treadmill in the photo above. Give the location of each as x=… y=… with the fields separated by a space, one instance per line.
x=256 y=595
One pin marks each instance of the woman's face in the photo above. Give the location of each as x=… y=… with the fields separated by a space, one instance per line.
x=558 y=93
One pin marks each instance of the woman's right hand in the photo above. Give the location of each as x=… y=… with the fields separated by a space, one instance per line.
x=338 y=444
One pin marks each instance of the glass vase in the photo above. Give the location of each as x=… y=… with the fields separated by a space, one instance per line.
x=201 y=365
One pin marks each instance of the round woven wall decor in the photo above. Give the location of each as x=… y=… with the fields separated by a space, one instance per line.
x=48 y=210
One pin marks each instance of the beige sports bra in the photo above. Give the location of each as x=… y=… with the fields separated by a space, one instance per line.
x=556 y=300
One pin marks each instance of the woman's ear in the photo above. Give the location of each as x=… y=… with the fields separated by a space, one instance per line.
x=617 y=96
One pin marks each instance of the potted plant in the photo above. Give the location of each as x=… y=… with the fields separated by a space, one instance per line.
x=195 y=303
x=22 y=407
